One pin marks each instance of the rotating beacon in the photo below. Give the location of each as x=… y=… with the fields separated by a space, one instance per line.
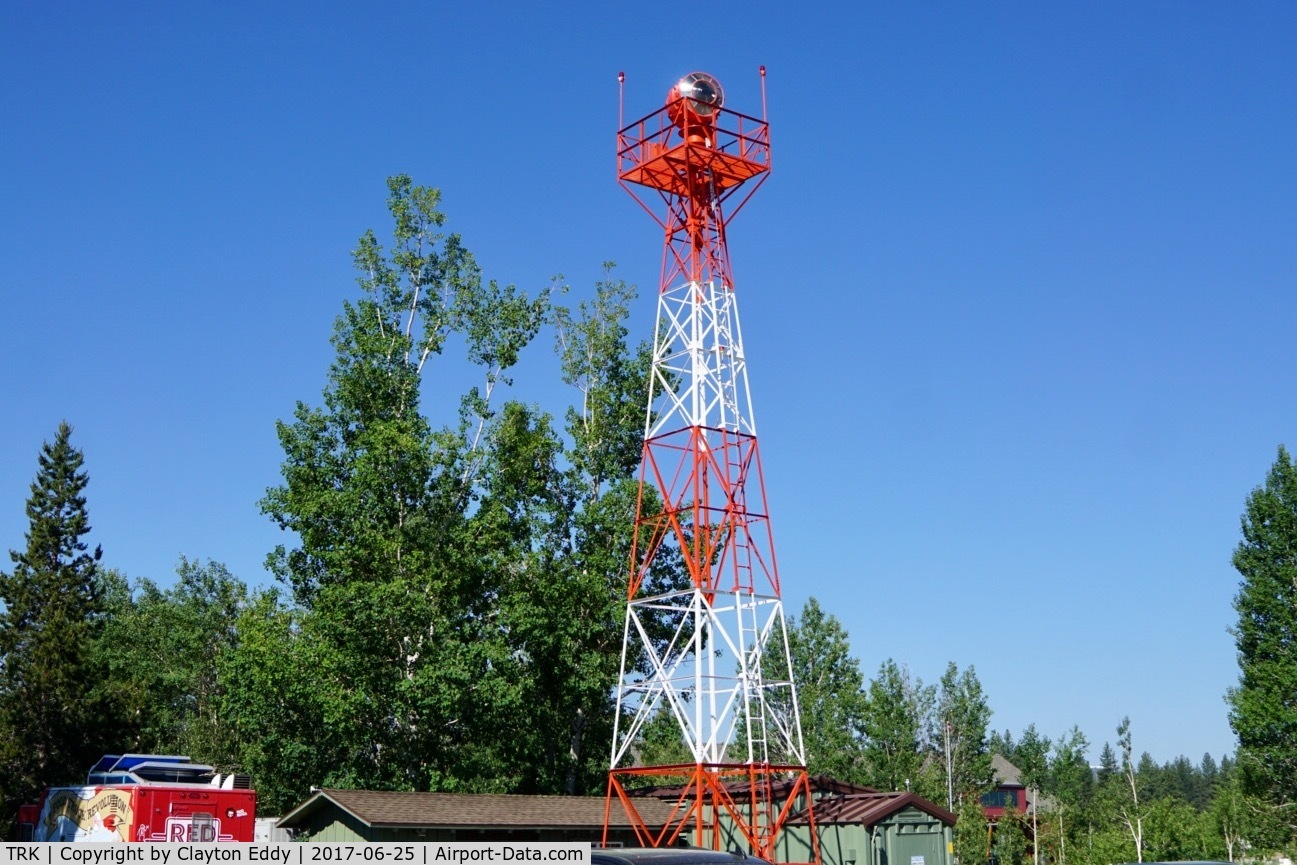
x=714 y=656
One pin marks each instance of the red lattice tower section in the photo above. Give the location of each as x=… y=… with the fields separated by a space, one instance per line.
x=714 y=655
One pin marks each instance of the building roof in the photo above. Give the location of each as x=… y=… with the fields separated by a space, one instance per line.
x=866 y=809
x=1009 y=776
x=386 y=809
x=1006 y=774
x=819 y=784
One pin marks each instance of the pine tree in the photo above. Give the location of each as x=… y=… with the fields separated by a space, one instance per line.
x=1107 y=764
x=1263 y=711
x=51 y=684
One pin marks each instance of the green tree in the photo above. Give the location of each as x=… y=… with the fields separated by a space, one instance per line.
x=1107 y=763
x=895 y=726
x=1069 y=784
x=1185 y=779
x=1107 y=843
x=973 y=833
x=162 y=648
x=1011 y=839
x=963 y=715
x=660 y=743
x=564 y=606
x=1210 y=774
x=1129 y=808
x=1154 y=781
x=57 y=715
x=1178 y=832
x=271 y=697
x=606 y=430
x=830 y=694
x=1103 y=837
x=1031 y=756
x=1230 y=814
x=1245 y=825
x=1032 y=759
x=368 y=487
x=1002 y=744
x=1263 y=712
x=406 y=540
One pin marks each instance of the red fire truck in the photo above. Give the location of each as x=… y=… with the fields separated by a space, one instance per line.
x=145 y=797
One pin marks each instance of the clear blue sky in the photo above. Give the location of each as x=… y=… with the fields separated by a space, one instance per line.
x=1018 y=298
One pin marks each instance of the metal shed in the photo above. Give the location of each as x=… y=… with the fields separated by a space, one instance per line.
x=873 y=829
x=372 y=815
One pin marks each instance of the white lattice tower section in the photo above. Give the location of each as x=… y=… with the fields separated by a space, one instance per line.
x=728 y=632
x=698 y=366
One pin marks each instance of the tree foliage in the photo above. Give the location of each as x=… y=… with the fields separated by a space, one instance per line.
x=417 y=545
x=830 y=692
x=1011 y=842
x=964 y=715
x=1263 y=706
x=162 y=648
x=566 y=605
x=1128 y=805
x=972 y=836
x=55 y=710
x=270 y=699
x=896 y=725
x=1069 y=783
x=660 y=744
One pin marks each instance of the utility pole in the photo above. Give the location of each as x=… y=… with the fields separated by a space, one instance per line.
x=950 y=774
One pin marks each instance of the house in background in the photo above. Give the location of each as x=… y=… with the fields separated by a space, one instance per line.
x=1009 y=792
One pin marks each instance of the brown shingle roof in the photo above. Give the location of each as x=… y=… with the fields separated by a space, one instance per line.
x=424 y=810
x=866 y=809
x=1006 y=774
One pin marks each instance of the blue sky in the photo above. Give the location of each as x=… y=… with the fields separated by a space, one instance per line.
x=1017 y=299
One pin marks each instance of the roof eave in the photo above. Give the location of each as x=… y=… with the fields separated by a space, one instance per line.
x=311 y=804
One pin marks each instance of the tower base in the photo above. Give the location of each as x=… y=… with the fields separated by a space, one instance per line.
x=719 y=806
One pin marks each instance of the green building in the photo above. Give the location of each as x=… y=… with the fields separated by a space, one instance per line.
x=873 y=829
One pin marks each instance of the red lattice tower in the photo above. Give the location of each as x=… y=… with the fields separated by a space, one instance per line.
x=714 y=655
